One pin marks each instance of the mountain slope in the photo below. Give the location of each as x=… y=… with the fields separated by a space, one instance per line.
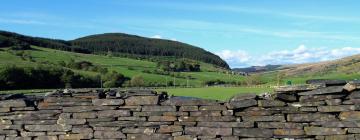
x=131 y=44
x=118 y=44
x=349 y=64
x=253 y=69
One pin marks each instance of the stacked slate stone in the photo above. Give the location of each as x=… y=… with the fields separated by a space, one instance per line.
x=323 y=109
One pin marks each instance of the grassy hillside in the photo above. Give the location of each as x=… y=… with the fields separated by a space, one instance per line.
x=127 y=66
x=118 y=44
x=347 y=68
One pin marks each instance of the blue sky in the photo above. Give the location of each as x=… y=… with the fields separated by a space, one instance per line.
x=244 y=32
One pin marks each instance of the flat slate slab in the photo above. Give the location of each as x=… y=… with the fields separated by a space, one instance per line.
x=327 y=82
x=326 y=90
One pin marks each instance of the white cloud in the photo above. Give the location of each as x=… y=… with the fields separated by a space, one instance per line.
x=156 y=36
x=237 y=57
x=301 y=54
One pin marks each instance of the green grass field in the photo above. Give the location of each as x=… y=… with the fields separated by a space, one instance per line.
x=128 y=67
x=218 y=93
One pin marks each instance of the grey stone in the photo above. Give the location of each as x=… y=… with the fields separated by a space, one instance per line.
x=15 y=127
x=87 y=133
x=181 y=101
x=320 y=97
x=85 y=115
x=8 y=132
x=341 y=137
x=71 y=121
x=46 y=138
x=308 y=109
x=253 y=132
x=208 y=131
x=297 y=88
x=257 y=113
x=326 y=90
x=354 y=95
x=189 y=108
x=109 y=135
x=162 y=118
x=301 y=104
x=240 y=97
x=107 y=128
x=185 y=123
x=213 y=107
x=270 y=103
x=149 y=137
x=142 y=100
x=4 y=109
x=74 y=103
x=350 y=116
x=72 y=137
x=12 y=103
x=31 y=134
x=289 y=132
x=354 y=130
x=242 y=103
x=352 y=85
x=327 y=82
x=227 y=113
x=226 y=124
x=337 y=124
x=351 y=102
x=22 y=108
x=333 y=102
x=141 y=130
x=105 y=102
x=286 y=97
x=158 y=108
x=284 y=125
x=170 y=128
x=176 y=114
x=205 y=113
x=48 y=127
x=87 y=108
x=324 y=131
x=276 y=118
x=154 y=124
x=131 y=108
x=310 y=117
x=35 y=122
x=113 y=113
x=140 y=119
x=185 y=137
x=338 y=108
x=215 y=118
x=148 y=113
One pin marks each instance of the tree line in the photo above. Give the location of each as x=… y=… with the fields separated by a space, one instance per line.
x=119 y=45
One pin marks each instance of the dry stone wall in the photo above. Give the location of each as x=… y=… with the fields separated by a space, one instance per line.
x=327 y=109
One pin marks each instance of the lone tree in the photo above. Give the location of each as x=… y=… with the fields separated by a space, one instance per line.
x=137 y=81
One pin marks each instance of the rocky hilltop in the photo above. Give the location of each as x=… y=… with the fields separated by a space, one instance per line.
x=323 y=109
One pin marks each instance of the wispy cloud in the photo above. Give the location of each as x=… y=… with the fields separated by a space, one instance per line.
x=21 y=21
x=252 y=10
x=301 y=54
x=196 y=26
